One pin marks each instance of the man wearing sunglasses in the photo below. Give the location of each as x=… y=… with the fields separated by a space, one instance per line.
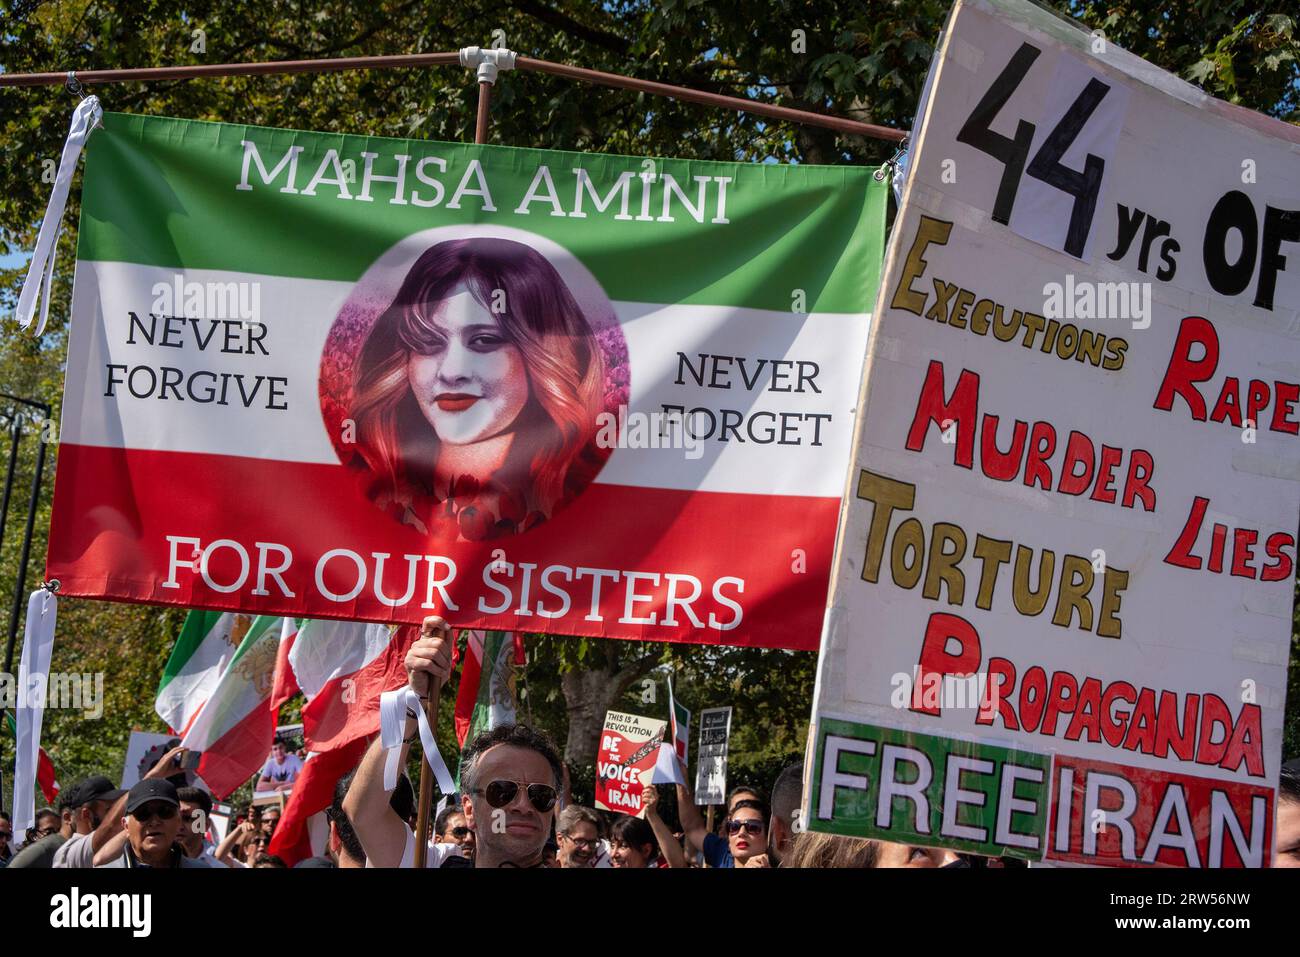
x=510 y=780
x=450 y=827
x=153 y=824
x=98 y=817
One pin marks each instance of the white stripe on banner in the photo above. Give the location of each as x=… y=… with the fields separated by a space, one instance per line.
x=38 y=645
x=680 y=356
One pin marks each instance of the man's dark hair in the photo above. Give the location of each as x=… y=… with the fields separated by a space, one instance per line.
x=46 y=812
x=445 y=815
x=269 y=860
x=402 y=800
x=759 y=806
x=635 y=832
x=192 y=795
x=519 y=735
x=1288 y=783
x=342 y=826
x=4 y=816
x=787 y=792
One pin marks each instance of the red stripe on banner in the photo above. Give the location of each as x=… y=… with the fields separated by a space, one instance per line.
x=768 y=556
x=1122 y=816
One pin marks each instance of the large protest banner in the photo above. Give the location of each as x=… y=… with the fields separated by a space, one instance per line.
x=625 y=763
x=353 y=377
x=1061 y=605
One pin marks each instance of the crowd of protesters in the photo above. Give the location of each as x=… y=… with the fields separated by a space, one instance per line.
x=513 y=811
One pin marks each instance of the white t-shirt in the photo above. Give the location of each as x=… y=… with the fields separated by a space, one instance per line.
x=282 y=773
x=434 y=856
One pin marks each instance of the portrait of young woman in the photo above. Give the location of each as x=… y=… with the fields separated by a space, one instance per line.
x=475 y=394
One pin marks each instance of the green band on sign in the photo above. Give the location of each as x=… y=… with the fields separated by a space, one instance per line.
x=913 y=788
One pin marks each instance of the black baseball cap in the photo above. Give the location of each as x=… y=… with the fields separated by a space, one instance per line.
x=151 y=789
x=98 y=788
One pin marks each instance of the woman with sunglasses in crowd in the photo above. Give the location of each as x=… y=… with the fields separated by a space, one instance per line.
x=744 y=831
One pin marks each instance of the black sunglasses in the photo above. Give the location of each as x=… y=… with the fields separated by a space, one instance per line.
x=501 y=793
x=459 y=832
x=751 y=827
x=161 y=810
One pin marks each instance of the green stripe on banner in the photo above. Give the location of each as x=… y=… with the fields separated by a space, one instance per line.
x=915 y=788
x=162 y=191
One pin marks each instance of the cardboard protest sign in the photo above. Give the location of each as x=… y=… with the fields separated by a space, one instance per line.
x=364 y=378
x=625 y=764
x=138 y=746
x=711 y=756
x=1061 y=605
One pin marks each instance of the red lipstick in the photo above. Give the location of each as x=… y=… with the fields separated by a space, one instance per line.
x=455 y=401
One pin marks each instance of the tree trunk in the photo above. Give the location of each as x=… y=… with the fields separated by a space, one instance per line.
x=589 y=692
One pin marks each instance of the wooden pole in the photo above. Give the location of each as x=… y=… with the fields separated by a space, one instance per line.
x=425 y=806
x=484 y=101
x=708 y=823
x=426 y=773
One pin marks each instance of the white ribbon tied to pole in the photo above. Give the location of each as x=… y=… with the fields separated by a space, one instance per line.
x=40 y=273
x=38 y=644
x=393 y=706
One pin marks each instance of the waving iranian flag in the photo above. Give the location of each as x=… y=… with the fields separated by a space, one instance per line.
x=235 y=725
x=206 y=645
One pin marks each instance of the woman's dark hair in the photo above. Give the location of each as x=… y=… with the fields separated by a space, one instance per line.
x=634 y=832
x=542 y=319
x=759 y=806
x=742 y=789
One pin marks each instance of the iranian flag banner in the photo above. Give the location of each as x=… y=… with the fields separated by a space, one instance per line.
x=341 y=668
x=486 y=697
x=235 y=725
x=207 y=643
x=373 y=379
